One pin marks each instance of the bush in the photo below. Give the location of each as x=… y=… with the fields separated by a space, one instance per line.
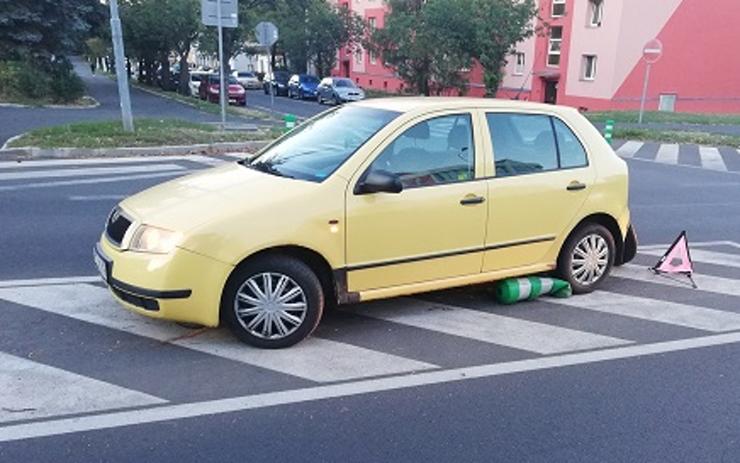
x=39 y=82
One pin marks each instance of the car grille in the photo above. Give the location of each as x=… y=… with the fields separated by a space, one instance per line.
x=116 y=226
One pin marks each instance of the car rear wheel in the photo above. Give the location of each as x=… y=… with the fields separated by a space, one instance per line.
x=272 y=302
x=587 y=258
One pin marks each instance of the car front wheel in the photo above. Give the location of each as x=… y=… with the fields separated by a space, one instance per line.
x=587 y=258
x=272 y=302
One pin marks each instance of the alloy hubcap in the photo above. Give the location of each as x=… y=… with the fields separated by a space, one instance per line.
x=590 y=259
x=270 y=305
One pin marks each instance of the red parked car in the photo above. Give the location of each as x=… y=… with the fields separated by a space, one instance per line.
x=209 y=89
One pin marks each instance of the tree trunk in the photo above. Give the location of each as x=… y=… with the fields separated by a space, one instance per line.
x=184 y=88
x=164 y=62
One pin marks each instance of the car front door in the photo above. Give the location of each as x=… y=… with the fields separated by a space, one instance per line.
x=541 y=180
x=434 y=228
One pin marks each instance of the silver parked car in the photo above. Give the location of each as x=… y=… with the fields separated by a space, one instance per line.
x=247 y=79
x=336 y=90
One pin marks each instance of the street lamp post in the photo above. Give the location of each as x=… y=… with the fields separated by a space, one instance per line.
x=121 y=76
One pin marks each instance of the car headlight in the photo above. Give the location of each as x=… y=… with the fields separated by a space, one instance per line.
x=154 y=240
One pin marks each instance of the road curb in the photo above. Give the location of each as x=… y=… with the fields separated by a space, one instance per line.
x=31 y=152
x=53 y=106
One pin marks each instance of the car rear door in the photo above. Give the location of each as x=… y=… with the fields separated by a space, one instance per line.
x=540 y=180
x=434 y=229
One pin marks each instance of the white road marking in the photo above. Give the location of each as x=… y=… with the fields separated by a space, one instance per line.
x=487 y=327
x=91 y=161
x=32 y=390
x=672 y=313
x=693 y=244
x=91 y=181
x=314 y=359
x=97 y=198
x=271 y=399
x=667 y=154
x=719 y=285
x=629 y=149
x=704 y=256
x=712 y=159
x=49 y=281
x=207 y=160
x=86 y=172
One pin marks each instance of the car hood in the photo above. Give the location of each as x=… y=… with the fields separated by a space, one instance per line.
x=188 y=202
x=309 y=85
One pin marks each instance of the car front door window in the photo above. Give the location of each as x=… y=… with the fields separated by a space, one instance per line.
x=433 y=152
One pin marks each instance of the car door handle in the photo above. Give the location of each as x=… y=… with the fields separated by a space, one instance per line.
x=576 y=186
x=470 y=200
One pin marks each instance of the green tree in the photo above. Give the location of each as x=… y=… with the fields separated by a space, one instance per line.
x=427 y=46
x=498 y=26
x=45 y=28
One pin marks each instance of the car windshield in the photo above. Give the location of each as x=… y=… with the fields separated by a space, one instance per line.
x=195 y=77
x=246 y=74
x=314 y=150
x=344 y=83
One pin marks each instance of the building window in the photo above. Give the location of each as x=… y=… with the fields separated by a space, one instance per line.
x=556 y=41
x=589 y=67
x=371 y=23
x=519 y=66
x=558 y=8
x=373 y=58
x=358 y=56
x=595 y=12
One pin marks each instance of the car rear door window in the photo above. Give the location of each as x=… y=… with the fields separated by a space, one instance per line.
x=432 y=152
x=571 y=150
x=522 y=143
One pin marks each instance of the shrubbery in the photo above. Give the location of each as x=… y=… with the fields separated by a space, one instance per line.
x=39 y=81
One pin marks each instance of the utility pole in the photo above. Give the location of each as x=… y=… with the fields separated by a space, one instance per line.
x=121 y=76
x=222 y=89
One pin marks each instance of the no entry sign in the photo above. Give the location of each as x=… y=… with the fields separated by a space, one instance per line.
x=652 y=51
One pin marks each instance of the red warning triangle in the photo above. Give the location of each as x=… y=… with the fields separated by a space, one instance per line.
x=677 y=259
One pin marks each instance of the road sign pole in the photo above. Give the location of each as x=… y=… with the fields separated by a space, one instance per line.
x=121 y=76
x=221 y=93
x=272 y=76
x=644 y=92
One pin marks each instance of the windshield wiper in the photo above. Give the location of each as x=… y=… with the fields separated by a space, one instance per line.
x=266 y=168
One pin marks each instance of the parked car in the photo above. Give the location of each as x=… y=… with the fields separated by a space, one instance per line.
x=247 y=79
x=370 y=200
x=278 y=80
x=209 y=90
x=302 y=86
x=194 y=81
x=337 y=90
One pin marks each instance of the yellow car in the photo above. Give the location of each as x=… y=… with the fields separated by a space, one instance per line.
x=375 y=199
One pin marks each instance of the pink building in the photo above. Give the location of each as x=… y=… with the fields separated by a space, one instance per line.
x=592 y=56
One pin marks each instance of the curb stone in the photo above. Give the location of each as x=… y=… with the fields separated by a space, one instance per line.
x=31 y=152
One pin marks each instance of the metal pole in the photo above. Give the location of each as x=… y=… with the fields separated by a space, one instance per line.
x=644 y=92
x=121 y=76
x=221 y=93
x=272 y=76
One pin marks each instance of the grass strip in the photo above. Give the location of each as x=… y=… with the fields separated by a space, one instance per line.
x=149 y=132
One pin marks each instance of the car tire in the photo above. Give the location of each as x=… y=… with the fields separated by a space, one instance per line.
x=586 y=258
x=301 y=96
x=240 y=295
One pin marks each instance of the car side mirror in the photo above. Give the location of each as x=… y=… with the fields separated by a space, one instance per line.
x=379 y=181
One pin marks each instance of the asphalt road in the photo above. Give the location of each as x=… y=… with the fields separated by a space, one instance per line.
x=143 y=104
x=641 y=371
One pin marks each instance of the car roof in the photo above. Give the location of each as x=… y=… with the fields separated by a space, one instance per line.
x=423 y=104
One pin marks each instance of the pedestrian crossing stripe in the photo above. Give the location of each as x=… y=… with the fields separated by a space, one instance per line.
x=25 y=392
x=316 y=359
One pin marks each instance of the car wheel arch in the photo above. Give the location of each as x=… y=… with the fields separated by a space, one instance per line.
x=608 y=222
x=313 y=259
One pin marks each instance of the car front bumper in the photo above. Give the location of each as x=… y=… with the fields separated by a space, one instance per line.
x=180 y=286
